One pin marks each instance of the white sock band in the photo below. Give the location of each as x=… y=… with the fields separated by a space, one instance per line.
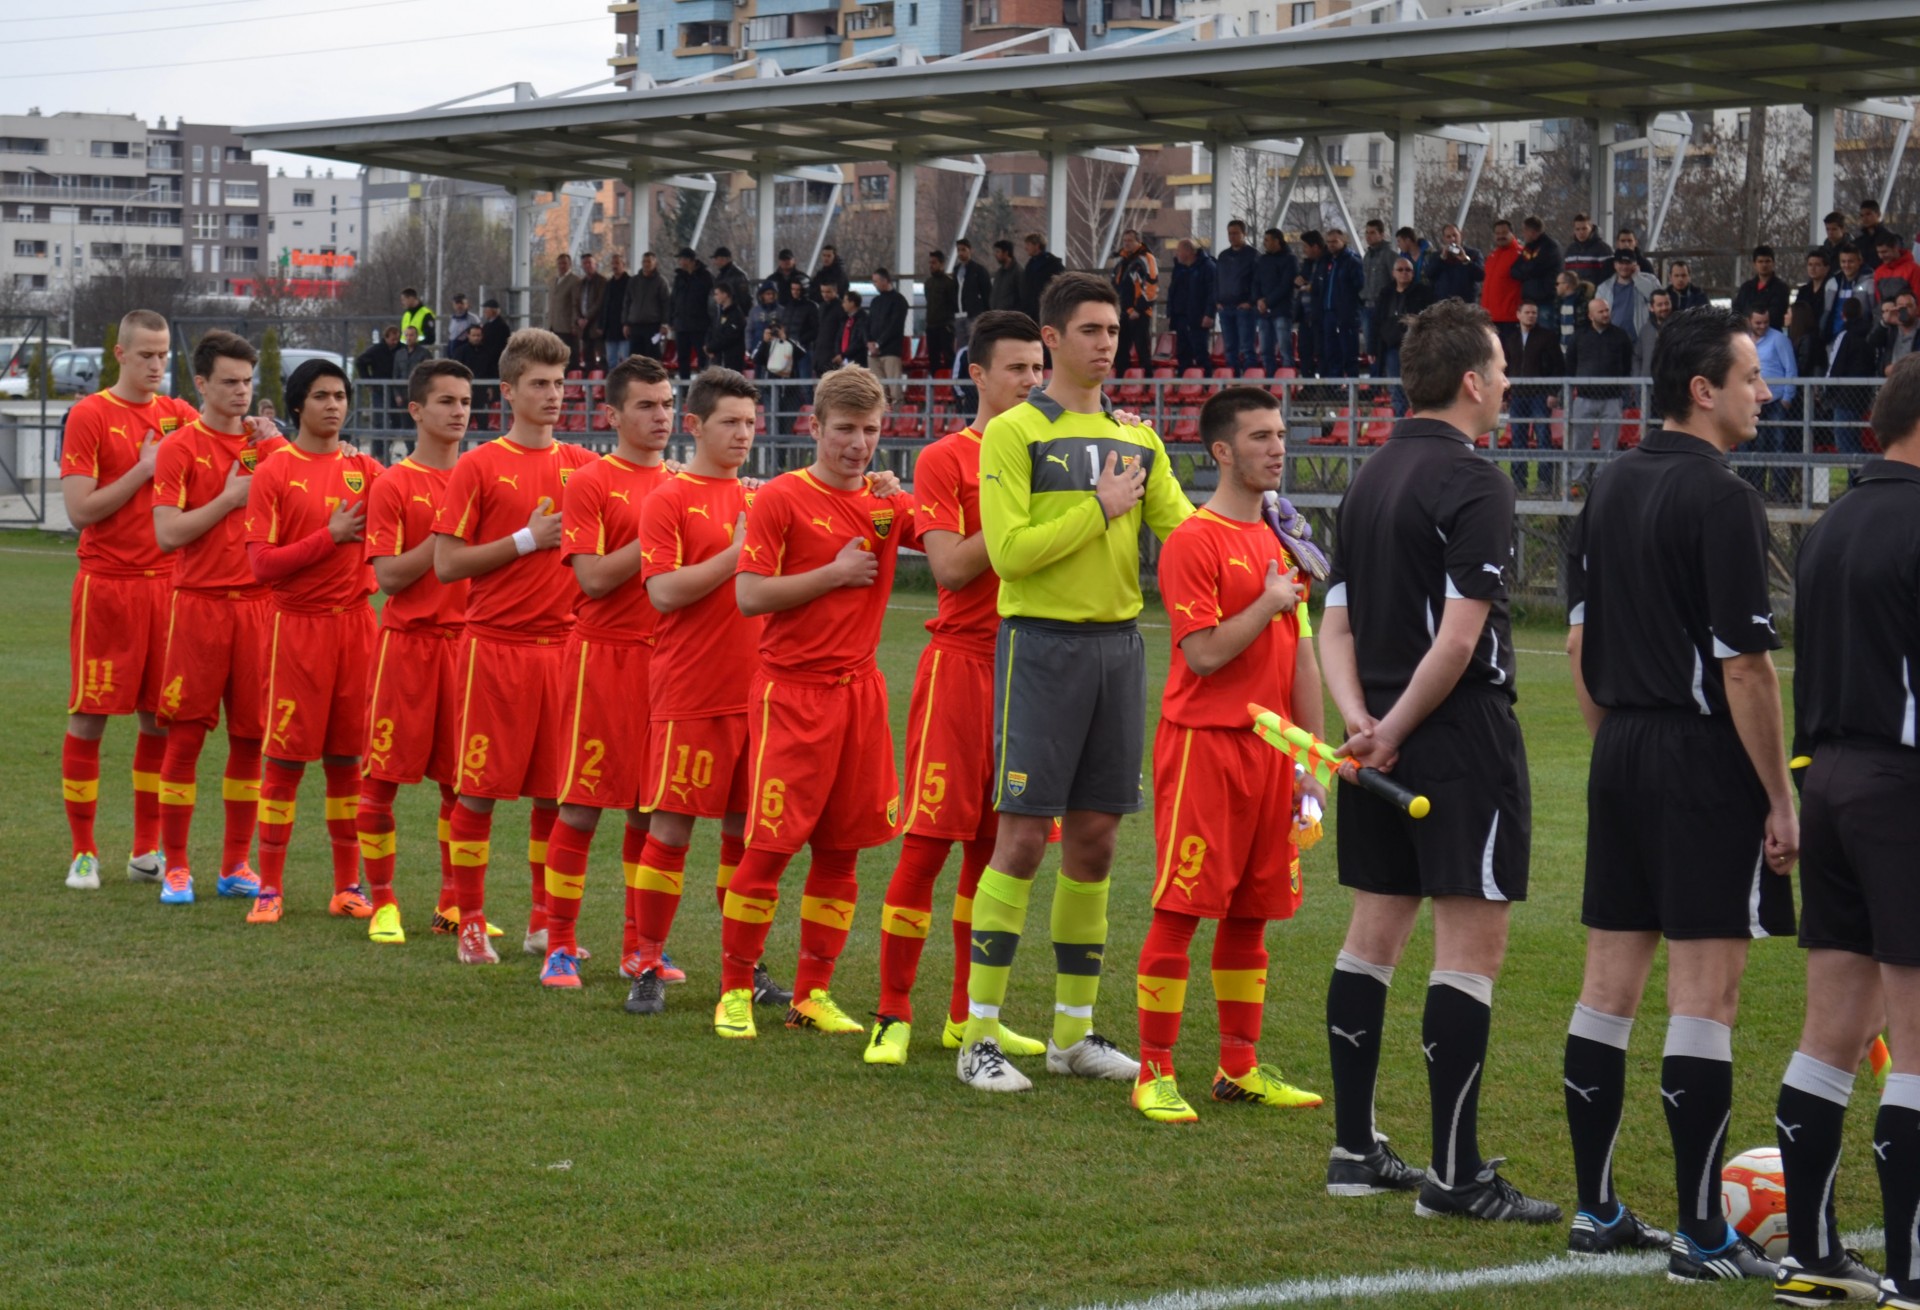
x=1380 y=973
x=1806 y=1074
x=1607 y=1029
x=1701 y=1039
x=1478 y=986
x=977 y=1010
x=1903 y=1090
x=1073 y=1011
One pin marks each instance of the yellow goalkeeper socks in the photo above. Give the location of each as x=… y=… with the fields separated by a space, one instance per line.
x=999 y=913
x=1079 y=949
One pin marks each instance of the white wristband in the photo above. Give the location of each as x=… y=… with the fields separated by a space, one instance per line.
x=523 y=541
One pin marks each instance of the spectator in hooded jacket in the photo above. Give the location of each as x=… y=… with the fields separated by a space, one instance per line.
x=692 y=313
x=1569 y=307
x=1895 y=266
x=1273 y=275
x=1306 y=304
x=1764 y=290
x=1042 y=267
x=1680 y=286
x=1190 y=301
x=1345 y=278
x=1539 y=263
x=1812 y=312
x=648 y=308
x=1455 y=269
x=1006 y=277
x=1588 y=256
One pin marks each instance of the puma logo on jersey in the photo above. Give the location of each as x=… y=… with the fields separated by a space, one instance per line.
x=591 y=786
x=422 y=500
x=772 y=825
x=1242 y=563
x=683 y=793
x=701 y=510
x=1494 y=569
x=1764 y=620
x=646 y=556
x=1185 y=885
x=752 y=552
x=1057 y=459
x=204 y=459
x=301 y=484
x=620 y=496
x=826 y=523
x=512 y=481
x=1186 y=607
x=931 y=811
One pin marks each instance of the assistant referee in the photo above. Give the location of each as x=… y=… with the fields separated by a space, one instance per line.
x=1856 y=640
x=1064 y=489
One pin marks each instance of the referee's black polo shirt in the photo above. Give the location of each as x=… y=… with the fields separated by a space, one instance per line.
x=1668 y=572
x=1856 y=616
x=1426 y=519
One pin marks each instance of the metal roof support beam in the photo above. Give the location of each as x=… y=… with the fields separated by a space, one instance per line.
x=906 y=196
x=1473 y=182
x=1120 y=200
x=706 y=208
x=1222 y=191
x=1600 y=175
x=1657 y=222
x=1404 y=174
x=640 y=231
x=1057 y=161
x=966 y=211
x=520 y=294
x=766 y=189
x=826 y=221
x=1339 y=196
x=581 y=196
x=1293 y=183
x=1825 y=163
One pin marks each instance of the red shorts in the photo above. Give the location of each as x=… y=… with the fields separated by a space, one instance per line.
x=117 y=644
x=318 y=669
x=510 y=722
x=698 y=767
x=1222 y=815
x=217 y=653
x=950 y=747
x=822 y=764
x=414 y=711
x=603 y=753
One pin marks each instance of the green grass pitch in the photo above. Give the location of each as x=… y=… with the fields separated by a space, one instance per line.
x=200 y=1113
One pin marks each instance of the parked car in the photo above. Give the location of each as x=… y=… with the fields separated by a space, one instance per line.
x=75 y=372
x=16 y=352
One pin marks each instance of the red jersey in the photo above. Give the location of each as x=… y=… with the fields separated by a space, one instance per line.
x=703 y=655
x=798 y=524
x=292 y=498
x=102 y=441
x=946 y=496
x=602 y=515
x=1210 y=569
x=192 y=472
x=492 y=494
x=400 y=513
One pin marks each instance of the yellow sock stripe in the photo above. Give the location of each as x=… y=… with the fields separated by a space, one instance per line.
x=179 y=793
x=446 y=830
x=343 y=807
x=904 y=923
x=536 y=852
x=723 y=876
x=470 y=854
x=567 y=886
x=1248 y=985
x=749 y=909
x=145 y=781
x=631 y=869
x=963 y=909
x=827 y=911
x=650 y=879
x=1161 y=995
x=377 y=845
x=277 y=811
x=78 y=791
x=240 y=789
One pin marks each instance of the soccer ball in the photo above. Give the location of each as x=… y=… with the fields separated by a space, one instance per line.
x=1753 y=1196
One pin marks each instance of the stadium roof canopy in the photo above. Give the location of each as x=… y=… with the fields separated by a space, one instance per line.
x=1628 y=60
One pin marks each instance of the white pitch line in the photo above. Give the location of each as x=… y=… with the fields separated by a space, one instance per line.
x=1430 y=1282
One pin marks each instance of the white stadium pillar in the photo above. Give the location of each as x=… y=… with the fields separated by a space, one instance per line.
x=767 y=184
x=906 y=192
x=1057 y=202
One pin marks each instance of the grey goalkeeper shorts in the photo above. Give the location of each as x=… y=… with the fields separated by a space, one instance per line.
x=1069 y=717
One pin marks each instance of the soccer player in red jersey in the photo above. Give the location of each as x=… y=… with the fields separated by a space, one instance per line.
x=414 y=709
x=1234 y=601
x=691 y=534
x=950 y=769
x=217 y=620
x=499 y=526
x=306 y=530
x=604 y=687
x=818 y=561
x=118 y=638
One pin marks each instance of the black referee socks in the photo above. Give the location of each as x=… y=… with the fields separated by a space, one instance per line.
x=1896 y=1153
x=1454 y=1036
x=1595 y=1078
x=1356 y=1009
x=1696 y=1090
x=1807 y=1120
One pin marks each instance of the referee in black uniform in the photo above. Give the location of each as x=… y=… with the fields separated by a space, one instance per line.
x=1856 y=674
x=1418 y=655
x=1690 y=819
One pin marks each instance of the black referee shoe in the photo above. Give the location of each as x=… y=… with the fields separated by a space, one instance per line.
x=1627 y=1231
x=1488 y=1196
x=768 y=992
x=1739 y=1258
x=1845 y=1277
x=1379 y=1170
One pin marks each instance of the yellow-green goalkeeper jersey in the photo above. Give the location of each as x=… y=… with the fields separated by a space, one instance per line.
x=1057 y=555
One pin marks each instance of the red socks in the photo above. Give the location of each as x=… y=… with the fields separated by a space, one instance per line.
x=731 y=849
x=343 y=809
x=279 y=785
x=747 y=914
x=826 y=917
x=974 y=856
x=633 y=845
x=178 y=790
x=539 y=832
x=80 y=789
x=469 y=849
x=449 y=886
x=565 y=882
x=240 y=798
x=374 y=823
x=655 y=889
x=1240 y=990
x=905 y=917
x=149 y=753
x=1161 y=988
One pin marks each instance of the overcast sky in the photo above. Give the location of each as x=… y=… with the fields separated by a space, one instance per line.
x=254 y=62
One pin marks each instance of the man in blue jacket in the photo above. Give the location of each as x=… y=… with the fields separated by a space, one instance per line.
x=1190 y=301
x=1233 y=299
x=1273 y=275
x=1344 y=281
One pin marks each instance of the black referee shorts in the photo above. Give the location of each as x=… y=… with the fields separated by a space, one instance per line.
x=1859 y=842
x=1469 y=760
x=1069 y=717
x=1676 y=832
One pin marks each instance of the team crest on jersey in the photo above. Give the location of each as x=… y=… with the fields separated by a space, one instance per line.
x=1128 y=461
x=563 y=476
x=248 y=458
x=1016 y=784
x=356 y=480
x=893 y=812
x=882 y=522
x=169 y=423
